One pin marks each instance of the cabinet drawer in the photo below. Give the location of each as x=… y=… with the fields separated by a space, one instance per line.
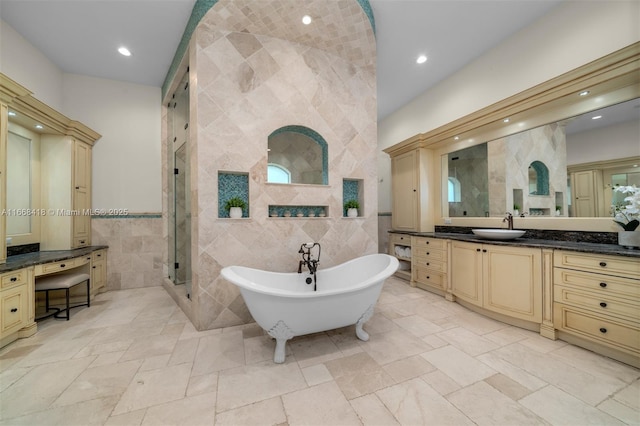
x=63 y=265
x=601 y=304
x=430 y=243
x=599 y=283
x=429 y=253
x=617 y=334
x=611 y=265
x=430 y=264
x=98 y=255
x=13 y=278
x=403 y=239
x=429 y=277
x=13 y=309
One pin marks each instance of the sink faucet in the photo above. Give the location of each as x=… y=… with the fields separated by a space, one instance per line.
x=309 y=261
x=509 y=219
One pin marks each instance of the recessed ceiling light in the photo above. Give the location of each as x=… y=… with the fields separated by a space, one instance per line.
x=39 y=126
x=506 y=120
x=124 y=51
x=596 y=117
x=306 y=19
x=421 y=59
x=584 y=93
x=12 y=114
x=456 y=138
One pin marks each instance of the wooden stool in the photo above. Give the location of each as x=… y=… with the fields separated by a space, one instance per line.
x=64 y=282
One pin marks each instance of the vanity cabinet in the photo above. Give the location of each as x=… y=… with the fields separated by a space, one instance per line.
x=3 y=183
x=98 y=270
x=410 y=191
x=429 y=263
x=17 y=309
x=597 y=299
x=502 y=279
x=400 y=247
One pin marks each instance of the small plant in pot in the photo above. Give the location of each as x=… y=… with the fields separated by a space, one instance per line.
x=352 y=207
x=627 y=216
x=235 y=206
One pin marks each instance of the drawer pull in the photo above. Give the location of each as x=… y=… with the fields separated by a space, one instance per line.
x=427 y=263
x=603 y=330
x=603 y=285
x=427 y=253
x=99 y=255
x=427 y=242
x=603 y=264
x=81 y=241
x=14 y=310
x=13 y=279
x=62 y=265
x=603 y=304
x=93 y=267
x=478 y=250
x=428 y=277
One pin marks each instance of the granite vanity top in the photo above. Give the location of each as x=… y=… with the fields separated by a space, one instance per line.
x=584 y=247
x=20 y=261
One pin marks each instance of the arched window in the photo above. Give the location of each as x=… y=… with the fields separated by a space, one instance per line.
x=278 y=174
x=453 y=186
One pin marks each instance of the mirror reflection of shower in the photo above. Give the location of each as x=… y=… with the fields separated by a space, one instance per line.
x=179 y=187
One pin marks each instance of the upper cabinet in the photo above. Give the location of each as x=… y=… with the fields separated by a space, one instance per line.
x=59 y=209
x=411 y=185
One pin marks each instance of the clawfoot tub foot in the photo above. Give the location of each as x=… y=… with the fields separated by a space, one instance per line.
x=281 y=333
x=360 y=333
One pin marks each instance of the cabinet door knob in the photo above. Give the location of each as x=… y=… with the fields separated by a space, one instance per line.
x=62 y=265
x=484 y=250
x=603 y=330
x=478 y=250
x=13 y=279
x=77 y=187
x=427 y=263
x=603 y=285
x=93 y=267
x=428 y=277
x=603 y=264
x=427 y=253
x=603 y=304
x=14 y=310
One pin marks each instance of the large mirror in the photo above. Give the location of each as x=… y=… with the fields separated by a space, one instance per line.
x=565 y=168
x=297 y=155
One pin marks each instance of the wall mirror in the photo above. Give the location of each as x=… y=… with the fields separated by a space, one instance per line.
x=297 y=155
x=565 y=168
x=23 y=184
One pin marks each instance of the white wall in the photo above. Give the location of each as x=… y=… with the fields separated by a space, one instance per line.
x=127 y=159
x=621 y=141
x=26 y=65
x=569 y=36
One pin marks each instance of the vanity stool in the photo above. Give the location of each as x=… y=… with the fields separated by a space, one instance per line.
x=63 y=281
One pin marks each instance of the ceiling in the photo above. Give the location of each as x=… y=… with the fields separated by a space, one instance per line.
x=81 y=37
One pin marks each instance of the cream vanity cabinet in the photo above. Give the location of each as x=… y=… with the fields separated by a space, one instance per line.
x=597 y=299
x=410 y=184
x=3 y=183
x=429 y=264
x=502 y=279
x=17 y=308
x=98 y=270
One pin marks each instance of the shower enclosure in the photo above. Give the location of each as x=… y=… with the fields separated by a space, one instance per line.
x=179 y=188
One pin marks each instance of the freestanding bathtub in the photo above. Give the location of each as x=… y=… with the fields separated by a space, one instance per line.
x=284 y=305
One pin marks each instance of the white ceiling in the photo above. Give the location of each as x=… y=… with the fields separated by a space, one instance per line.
x=81 y=37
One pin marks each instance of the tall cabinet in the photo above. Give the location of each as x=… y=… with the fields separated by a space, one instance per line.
x=65 y=169
x=412 y=184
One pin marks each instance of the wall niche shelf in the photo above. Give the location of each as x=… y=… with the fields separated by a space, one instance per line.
x=352 y=190
x=231 y=185
x=297 y=211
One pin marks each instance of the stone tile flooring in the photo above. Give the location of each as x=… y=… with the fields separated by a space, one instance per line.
x=133 y=358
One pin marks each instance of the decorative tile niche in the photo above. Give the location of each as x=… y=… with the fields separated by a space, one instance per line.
x=352 y=190
x=230 y=185
x=298 y=211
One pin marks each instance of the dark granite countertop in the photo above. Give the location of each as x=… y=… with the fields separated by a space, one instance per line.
x=584 y=247
x=20 y=261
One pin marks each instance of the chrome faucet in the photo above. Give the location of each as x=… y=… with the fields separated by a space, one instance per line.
x=309 y=261
x=509 y=219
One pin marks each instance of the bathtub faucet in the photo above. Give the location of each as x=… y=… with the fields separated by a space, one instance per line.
x=309 y=261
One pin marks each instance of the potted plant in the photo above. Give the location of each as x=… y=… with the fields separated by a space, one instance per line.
x=558 y=210
x=627 y=215
x=235 y=206
x=352 y=207
x=516 y=210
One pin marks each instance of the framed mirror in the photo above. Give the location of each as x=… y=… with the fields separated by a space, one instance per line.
x=297 y=155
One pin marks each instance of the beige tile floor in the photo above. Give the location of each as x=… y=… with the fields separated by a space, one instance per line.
x=133 y=358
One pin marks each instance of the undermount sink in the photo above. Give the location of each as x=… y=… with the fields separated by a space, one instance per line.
x=498 y=234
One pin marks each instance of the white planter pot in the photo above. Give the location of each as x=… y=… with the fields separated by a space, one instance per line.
x=629 y=239
x=352 y=212
x=235 y=212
